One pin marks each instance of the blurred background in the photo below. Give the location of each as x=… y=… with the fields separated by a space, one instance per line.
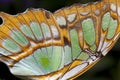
x=107 y=69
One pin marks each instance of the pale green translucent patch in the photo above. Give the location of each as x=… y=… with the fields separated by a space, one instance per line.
x=75 y=43
x=93 y=47
x=45 y=30
x=106 y=21
x=57 y=58
x=11 y=46
x=4 y=52
x=23 y=69
x=27 y=66
x=19 y=37
x=50 y=58
x=112 y=28
x=36 y=30
x=110 y=24
x=27 y=31
x=43 y=60
x=88 y=31
x=33 y=64
x=83 y=56
x=67 y=55
x=50 y=51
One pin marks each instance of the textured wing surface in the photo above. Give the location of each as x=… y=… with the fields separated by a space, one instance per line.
x=62 y=45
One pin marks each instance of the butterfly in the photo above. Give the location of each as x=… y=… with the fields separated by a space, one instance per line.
x=41 y=45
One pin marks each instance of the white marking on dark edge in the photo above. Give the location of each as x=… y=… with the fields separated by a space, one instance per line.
x=97 y=12
x=118 y=11
x=74 y=71
x=71 y=17
x=84 y=13
x=113 y=7
x=61 y=20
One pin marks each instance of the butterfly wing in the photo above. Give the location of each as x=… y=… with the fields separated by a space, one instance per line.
x=24 y=39
x=58 y=46
x=97 y=27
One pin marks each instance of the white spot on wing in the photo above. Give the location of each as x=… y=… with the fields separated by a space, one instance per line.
x=61 y=20
x=101 y=42
x=49 y=41
x=97 y=12
x=118 y=11
x=113 y=7
x=32 y=43
x=116 y=36
x=93 y=57
x=71 y=17
x=84 y=13
x=105 y=6
x=100 y=45
x=90 y=60
x=105 y=52
x=54 y=31
x=104 y=45
x=74 y=71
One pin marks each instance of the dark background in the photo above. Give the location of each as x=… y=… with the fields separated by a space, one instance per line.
x=107 y=69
